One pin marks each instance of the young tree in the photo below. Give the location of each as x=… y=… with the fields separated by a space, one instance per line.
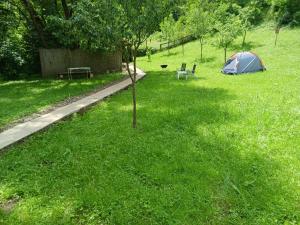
x=278 y=13
x=228 y=27
x=246 y=15
x=199 y=22
x=167 y=28
x=119 y=24
x=140 y=19
x=181 y=31
x=228 y=32
x=278 y=19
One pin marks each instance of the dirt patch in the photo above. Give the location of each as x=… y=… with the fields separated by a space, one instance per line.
x=8 y=206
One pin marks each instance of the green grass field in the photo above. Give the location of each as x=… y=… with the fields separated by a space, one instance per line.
x=22 y=98
x=218 y=150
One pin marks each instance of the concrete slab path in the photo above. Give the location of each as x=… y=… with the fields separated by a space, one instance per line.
x=23 y=130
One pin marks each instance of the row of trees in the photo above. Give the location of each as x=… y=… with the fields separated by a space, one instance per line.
x=27 y=25
x=226 y=19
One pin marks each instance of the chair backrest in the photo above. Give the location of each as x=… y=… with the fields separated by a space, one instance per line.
x=194 y=69
x=183 y=67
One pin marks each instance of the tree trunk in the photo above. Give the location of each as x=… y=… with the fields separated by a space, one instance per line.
x=65 y=7
x=201 y=44
x=276 y=35
x=56 y=7
x=134 y=119
x=225 y=54
x=244 y=37
x=36 y=21
x=132 y=76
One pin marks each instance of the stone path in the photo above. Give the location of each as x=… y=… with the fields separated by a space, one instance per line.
x=23 y=130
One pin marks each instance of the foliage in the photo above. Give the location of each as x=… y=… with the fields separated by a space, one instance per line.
x=101 y=31
x=12 y=47
x=228 y=27
x=284 y=12
x=247 y=16
x=181 y=30
x=167 y=28
x=11 y=58
x=200 y=21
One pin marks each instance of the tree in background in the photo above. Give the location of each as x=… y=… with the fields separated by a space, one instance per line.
x=278 y=19
x=12 y=46
x=181 y=31
x=30 y=27
x=247 y=15
x=228 y=27
x=278 y=13
x=284 y=12
x=167 y=28
x=139 y=19
x=199 y=22
x=100 y=32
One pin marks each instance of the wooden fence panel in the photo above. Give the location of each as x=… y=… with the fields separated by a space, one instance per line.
x=57 y=61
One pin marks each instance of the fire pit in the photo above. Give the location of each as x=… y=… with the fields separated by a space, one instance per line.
x=164 y=66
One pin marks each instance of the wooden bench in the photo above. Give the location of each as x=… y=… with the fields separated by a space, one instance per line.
x=79 y=70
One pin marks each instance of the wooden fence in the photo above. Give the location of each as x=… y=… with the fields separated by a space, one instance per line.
x=175 y=43
x=57 y=61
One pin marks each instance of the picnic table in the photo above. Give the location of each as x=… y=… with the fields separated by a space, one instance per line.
x=79 y=70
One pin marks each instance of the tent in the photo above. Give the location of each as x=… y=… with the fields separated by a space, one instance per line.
x=243 y=62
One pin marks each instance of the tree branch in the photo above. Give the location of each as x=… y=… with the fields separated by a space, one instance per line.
x=66 y=9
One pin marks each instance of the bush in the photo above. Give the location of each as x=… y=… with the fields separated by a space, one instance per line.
x=11 y=59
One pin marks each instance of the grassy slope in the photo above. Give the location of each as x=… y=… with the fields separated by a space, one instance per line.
x=217 y=150
x=22 y=98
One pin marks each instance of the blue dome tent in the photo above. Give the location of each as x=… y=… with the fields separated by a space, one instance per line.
x=243 y=62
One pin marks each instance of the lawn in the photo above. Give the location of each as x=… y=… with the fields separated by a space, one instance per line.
x=24 y=97
x=216 y=150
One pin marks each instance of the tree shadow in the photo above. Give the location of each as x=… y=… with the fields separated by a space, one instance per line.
x=247 y=46
x=205 y=60
x=172 y=53
x=185 y=164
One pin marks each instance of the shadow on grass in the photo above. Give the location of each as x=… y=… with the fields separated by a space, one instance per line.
x=205 y=60
x=248 y=46
x=166 y=54
x=184 y=164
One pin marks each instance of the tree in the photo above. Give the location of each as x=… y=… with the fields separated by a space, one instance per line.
x=102 y=32
x=278 y=18
x=199 y=22
x=13 y=49
x=167 y=28
x=246 y=15
x=228 y=27
x=279 y=11
x=284 y=12
x=181 y=31
x=140 y=19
